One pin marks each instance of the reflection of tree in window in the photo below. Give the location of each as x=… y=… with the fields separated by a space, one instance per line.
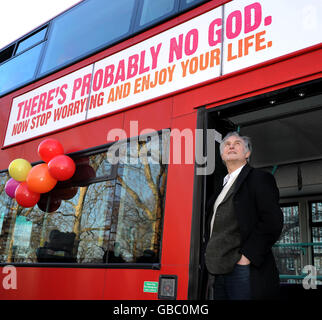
x=114 y=219
x=316 y=233
x=289 y=258
x=142 y=196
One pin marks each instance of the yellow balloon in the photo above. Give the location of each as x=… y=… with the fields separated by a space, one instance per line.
x=18 y=169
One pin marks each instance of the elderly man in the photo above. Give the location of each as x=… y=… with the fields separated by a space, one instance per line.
x=246 y=222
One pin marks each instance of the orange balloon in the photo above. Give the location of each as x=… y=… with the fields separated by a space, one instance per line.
x=39 y=179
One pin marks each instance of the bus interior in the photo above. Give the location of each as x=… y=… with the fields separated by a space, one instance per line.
x=285 y=130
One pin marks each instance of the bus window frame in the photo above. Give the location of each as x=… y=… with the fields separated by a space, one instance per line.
x=139 y=28
x=41 y=74
x=184 y=6
x=29 y=36
x=313 y=224
x=15 y=55
x=106 y=265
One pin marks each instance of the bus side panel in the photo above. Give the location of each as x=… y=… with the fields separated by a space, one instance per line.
x=53 y=283
x=178 y=208
x=262 y=78
x=74 y=139
x=128 y=284
x=155 y=116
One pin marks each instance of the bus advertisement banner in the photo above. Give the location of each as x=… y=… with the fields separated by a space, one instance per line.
x=223 y=40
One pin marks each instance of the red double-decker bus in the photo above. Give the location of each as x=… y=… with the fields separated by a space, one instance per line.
x=139 y=93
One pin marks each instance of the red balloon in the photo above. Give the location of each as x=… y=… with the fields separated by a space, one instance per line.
x=50 y=148
x=61 y=167
x=53 y=205
x=25 y=197
x=39 y=179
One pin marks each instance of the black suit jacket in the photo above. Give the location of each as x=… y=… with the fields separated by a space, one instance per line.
x=260 y=218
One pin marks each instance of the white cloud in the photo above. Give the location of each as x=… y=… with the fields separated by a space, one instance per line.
x=18 y=17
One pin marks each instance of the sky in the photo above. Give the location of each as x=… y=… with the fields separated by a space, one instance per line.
x=18 y=17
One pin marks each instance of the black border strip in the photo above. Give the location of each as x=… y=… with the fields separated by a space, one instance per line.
x=153 y=266
x=197 y=222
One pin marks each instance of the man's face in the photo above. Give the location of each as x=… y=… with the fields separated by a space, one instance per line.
x=234 y=150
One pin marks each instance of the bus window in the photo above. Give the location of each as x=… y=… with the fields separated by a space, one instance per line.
x=316 y=231
x=153 y=10
x=19 y=69
x=190 y=3
x=7 y=53
x=105 y=24
x=31 y=41
x=289 y=258
x=106 y=213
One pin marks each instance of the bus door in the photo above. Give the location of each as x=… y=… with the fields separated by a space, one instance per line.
x=285 y=130
x=208 y=179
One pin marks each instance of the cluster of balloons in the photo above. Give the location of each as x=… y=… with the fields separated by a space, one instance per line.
x=30 y=185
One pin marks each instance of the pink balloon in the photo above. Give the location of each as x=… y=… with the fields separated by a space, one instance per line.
x=11 y=187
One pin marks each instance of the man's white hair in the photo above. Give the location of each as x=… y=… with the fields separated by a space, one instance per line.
x=245 y=139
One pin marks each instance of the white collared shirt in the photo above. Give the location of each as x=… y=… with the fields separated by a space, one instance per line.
x=232 y=175
x=227 y=183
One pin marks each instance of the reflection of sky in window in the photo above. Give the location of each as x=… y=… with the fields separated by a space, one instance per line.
x=5 y=200
x=98 y=204
x=63 y=219
x=1 y=221
x=155 y=9
x=69 y=41
x=103 y=167
x=96 y=217
x=135 y=176
x=32 y=40
x=19 y=69
x=291 y=218
x=316 y=212
x=22 y=232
